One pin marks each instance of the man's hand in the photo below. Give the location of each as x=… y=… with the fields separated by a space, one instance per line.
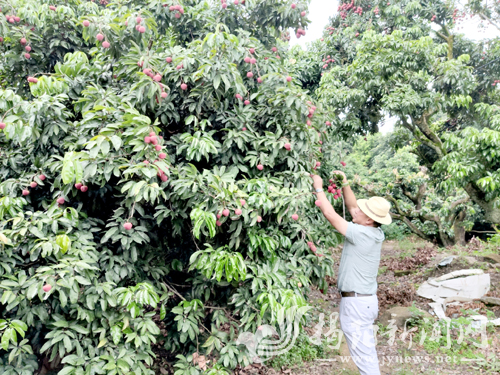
x=317 y=181
x=343 y=174
x=326 y=207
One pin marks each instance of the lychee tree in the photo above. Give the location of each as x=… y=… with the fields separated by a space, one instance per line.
x=438 y=84
x=155 y=197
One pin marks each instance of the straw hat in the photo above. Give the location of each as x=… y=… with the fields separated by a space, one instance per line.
x=376 y=208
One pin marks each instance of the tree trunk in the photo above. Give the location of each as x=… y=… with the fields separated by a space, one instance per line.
x=491 y=214
x=458 y=229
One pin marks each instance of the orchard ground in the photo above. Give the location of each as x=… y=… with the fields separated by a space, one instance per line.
x=306 y=358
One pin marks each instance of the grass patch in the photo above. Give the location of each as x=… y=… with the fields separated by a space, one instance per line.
x=408 y=246
x=302 y=351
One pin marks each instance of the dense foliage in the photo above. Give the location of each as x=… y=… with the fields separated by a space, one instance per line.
x=150 y=168
x=409 y=60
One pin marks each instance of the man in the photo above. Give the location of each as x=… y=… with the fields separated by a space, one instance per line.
x=357 y=278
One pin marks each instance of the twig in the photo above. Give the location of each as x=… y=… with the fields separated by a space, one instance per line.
x=175 y=292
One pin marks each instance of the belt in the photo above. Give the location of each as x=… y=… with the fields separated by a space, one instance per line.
x=353 y=294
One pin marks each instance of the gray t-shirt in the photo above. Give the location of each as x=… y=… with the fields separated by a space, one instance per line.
x=360 y=259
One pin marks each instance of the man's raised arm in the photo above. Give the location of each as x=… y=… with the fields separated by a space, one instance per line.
x=327 y=209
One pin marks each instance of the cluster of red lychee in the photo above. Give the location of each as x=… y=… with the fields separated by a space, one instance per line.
x=27 y=48
x=433 y=18
x=312 y=109
x=33 y=184
x=344 y=8
x=139 y=27
x=327 y=61
x=331 y=29
x=300 y=32
x=333 y=189
x=376 y=11
x=153 y=140
x=178 y=9
x=32 y=80
x=225 y=212
x=100 y=38
x=246 y=102
x=83 y=188
x=313 y=248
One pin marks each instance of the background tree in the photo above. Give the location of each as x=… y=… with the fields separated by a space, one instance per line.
x=438 y=84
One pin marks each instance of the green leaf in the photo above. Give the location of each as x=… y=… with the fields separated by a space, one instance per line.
x=116 y=334
x=64 y=242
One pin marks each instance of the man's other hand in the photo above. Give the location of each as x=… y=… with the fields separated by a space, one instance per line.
x=317 y=181
x=342 y=173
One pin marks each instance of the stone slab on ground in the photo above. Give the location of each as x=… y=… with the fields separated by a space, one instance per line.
x=490 y=300
x=492 y=258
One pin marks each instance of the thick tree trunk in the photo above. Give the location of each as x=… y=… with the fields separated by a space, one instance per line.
x=491 y=214
x=458 y=229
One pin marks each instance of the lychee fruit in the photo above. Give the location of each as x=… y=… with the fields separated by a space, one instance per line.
x=260 y=167
x=127 y=225
x=343 y=163
x=289 y=79
x=99 y=37
x=84 y=188
x=288 y=146
x=225 y=212
x=46 y=288
x=42 y=177
x=60 y=200
x=249 y=75
x=295 y=217
x=106 y=44
x=163 y=95
x=26 y=192
x=259 y=219
x=147 y=139
x=168 y=59
x=86 y=23
x=242 y=202
x=184 y=86
x=237 y=211
x=78 y=185
x=162 y=155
